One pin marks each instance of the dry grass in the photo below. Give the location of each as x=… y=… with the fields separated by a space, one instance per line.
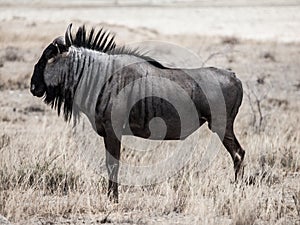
x=51 y=174
x=50 y=178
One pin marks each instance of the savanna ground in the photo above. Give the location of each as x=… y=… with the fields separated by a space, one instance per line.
x=53 y=174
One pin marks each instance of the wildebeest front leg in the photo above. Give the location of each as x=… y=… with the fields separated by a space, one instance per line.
x=112 y=145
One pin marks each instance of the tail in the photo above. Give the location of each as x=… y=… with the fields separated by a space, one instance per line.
x=239 y=96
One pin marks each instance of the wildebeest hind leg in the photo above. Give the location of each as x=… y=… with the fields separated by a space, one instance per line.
x=233 y=147
x=235 y=150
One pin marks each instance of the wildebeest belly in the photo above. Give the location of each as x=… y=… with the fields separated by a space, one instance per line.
x=157 y=119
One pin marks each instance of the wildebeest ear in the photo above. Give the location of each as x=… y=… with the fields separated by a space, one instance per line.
x=68 y=36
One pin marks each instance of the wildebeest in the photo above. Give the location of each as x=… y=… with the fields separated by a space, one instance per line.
x=121 y=91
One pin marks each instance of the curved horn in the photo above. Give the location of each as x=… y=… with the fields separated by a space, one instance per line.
x=59 y=40
x=68 y=36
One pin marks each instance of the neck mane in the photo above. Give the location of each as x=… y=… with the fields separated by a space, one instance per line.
x=103 y=41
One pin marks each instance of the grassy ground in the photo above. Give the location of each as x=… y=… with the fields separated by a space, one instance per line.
x=51 y=173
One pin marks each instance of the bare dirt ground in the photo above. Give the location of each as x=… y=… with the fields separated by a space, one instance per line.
x=49 y=175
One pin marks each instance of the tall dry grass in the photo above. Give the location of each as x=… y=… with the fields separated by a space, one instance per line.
x=53 y=172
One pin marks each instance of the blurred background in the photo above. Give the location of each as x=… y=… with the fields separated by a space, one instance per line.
x=267 y=19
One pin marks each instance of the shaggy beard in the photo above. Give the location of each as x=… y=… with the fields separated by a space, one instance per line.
x=56 y=97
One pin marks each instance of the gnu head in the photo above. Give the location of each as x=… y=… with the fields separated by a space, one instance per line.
x=59 y=69
x=52 y=55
